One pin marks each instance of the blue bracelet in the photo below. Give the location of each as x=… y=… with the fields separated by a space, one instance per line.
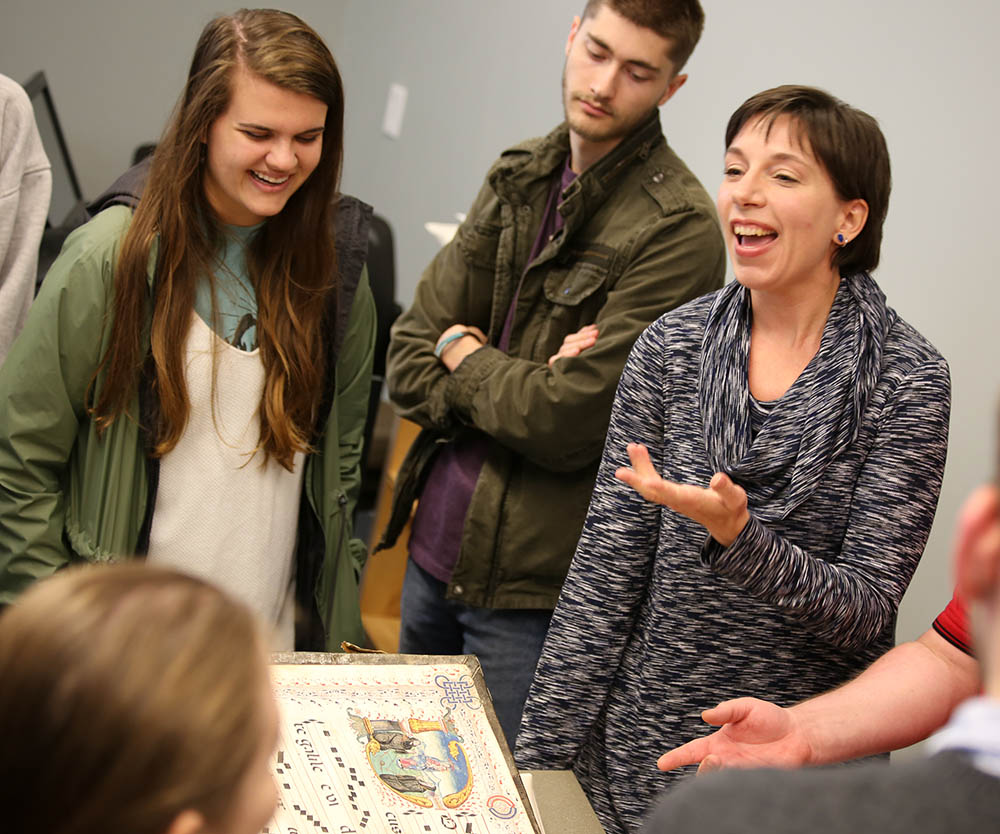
x=439 y=349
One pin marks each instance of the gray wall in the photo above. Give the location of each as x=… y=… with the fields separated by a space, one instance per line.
x=478 y=82
x=116 y=68
x=483 y=75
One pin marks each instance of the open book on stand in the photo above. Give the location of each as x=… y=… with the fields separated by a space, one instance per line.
x=392 y=744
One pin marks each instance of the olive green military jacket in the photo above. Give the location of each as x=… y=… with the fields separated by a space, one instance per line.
x=640 y=238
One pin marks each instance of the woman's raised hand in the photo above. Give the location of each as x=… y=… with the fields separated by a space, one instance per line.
x=721 y=507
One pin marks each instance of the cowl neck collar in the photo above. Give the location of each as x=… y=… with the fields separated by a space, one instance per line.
x=816 y=419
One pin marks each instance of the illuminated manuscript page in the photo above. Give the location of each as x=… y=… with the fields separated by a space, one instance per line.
x=368 y=745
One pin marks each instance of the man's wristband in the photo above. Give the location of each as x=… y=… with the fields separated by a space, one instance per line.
x=454 y=337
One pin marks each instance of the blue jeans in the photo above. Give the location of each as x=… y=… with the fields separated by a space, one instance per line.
x=507 y=641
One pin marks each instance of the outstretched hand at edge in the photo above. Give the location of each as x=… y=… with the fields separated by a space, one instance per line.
x=753 y=733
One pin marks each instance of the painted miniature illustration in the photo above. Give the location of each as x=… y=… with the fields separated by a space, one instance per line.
x=421 y=761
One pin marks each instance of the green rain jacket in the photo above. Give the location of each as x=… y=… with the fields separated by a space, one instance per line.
x=67 y=495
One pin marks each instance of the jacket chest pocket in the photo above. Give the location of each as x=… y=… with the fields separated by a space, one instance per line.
x=575 y=294
x=578 y=278
x=572 y=286
x=479 y=244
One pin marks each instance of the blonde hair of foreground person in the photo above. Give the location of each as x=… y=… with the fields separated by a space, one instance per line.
x=133 y=700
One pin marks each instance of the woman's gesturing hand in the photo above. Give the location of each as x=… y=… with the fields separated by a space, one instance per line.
x=721 y=507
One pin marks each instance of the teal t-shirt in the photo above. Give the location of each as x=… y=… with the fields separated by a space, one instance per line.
x=235 y=320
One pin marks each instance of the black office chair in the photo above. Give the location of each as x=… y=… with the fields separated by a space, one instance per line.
x=382 y=277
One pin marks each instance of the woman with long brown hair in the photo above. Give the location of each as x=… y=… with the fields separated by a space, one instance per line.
x=193 y=381
x=135 y=700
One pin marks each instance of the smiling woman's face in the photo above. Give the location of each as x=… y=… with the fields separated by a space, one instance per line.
x=779 y=210
x=261 y=149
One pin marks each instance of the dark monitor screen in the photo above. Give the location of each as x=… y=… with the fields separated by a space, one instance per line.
x=66 y=193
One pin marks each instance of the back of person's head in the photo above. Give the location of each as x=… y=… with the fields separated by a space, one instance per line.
x=679 y=21
x=846 y=142
x=130 y=696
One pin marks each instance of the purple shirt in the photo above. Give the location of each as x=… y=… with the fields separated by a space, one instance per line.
x=436 y=537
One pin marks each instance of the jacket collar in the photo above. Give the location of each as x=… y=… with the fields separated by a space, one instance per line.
x=588 y=191
x=515 y=175
x=638 y=144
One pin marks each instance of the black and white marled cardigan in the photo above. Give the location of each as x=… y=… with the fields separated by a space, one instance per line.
x=649 y=632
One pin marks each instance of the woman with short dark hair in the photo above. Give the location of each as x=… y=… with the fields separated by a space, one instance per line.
x=770 y=476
